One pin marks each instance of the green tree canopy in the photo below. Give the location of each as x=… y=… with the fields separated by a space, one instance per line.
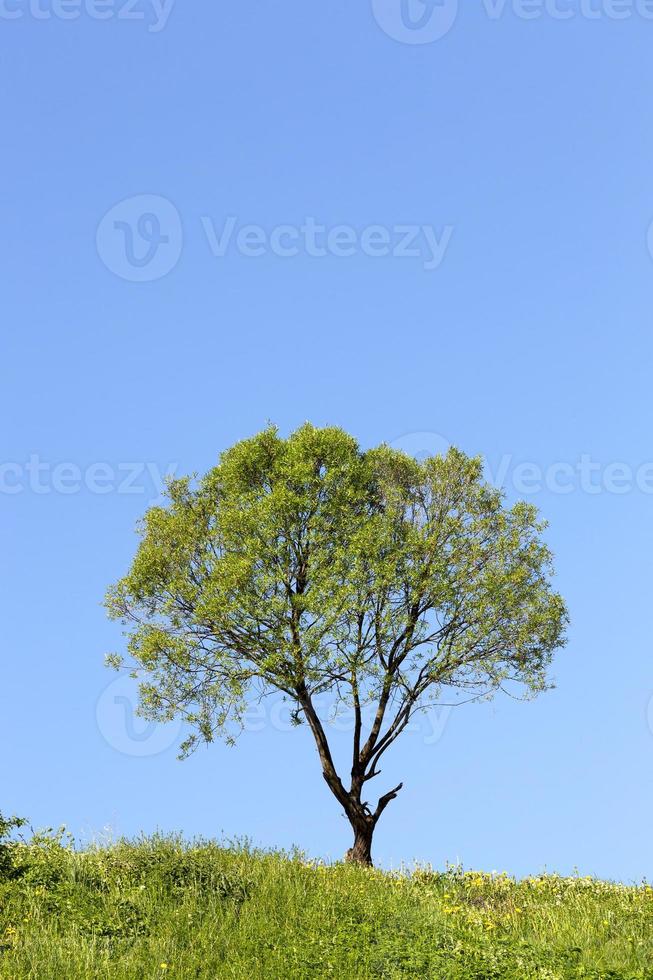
x=307 y=565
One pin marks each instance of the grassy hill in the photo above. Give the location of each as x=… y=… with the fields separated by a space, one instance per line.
x=158 y=908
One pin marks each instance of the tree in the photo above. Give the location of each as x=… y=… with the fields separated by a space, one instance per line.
x=7 y=846
x=306 y=565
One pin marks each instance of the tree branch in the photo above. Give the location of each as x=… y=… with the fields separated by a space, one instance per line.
x=328 y=768
x=385 y=799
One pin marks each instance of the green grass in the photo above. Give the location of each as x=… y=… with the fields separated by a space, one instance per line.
x=158 y=908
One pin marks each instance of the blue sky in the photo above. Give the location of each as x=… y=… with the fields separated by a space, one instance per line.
x=158 y=163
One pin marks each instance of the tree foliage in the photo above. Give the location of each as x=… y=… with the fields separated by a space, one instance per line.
x=8 y=825
x=307 y=565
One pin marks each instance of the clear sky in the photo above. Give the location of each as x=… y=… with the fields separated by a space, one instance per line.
x=145 y=327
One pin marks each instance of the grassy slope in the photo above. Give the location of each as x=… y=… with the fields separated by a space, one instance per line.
x=158 y=908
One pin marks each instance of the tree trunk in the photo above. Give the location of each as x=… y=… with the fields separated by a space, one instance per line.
x=361 y=852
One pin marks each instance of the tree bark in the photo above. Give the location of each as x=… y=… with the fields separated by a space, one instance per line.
x=361 y=852
x=363 y=823
x=361 y=818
